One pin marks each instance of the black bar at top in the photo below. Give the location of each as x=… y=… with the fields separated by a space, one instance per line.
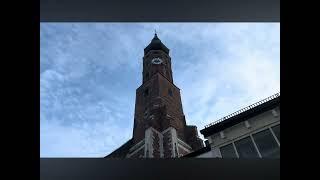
x=160 y=11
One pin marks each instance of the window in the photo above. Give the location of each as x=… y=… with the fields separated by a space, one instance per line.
x=246 y=149
x=170 y=92
x=266 y=144
x=276 y=131
x=146 y=92
x=135 y=123
x=228 y=151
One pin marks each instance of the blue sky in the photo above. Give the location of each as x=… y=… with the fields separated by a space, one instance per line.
x=89 y=73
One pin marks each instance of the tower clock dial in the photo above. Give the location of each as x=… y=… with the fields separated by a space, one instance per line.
x=156 y=61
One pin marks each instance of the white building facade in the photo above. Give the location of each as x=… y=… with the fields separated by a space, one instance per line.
x=252 y=132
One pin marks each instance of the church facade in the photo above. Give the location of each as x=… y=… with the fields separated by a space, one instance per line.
x=160 y=129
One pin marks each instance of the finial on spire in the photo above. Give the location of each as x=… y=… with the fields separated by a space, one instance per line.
x=155 y=38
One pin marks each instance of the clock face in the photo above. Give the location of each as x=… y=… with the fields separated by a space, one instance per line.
x=156 y=61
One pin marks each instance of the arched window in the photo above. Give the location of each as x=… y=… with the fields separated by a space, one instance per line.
x=146 y=92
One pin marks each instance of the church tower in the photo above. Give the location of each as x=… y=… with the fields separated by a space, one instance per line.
x=160 y=129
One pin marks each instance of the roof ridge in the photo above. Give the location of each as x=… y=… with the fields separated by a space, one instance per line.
x=244 y=109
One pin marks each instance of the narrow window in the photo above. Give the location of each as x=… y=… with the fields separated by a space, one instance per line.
x=170 y=92
x=146 y=92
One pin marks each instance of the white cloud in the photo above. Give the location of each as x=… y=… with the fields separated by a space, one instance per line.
x=218 y=84
x=80 y=140
x=89 y=73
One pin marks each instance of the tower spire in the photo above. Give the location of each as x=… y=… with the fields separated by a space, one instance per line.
x=155 y=33
x=156 y=44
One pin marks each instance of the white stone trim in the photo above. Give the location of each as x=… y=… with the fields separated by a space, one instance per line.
x=182 y=147
x=141 y=143
x=160 y=141
x=164 y=131
x=161 y=145
x=255 y=146
x=148 y=143
x=235 y=150
x=274 y=136
x=134 y=152
x=174 y=142
x=274 y=113
x=177 y=150
x=247 y=124
x=222 y=135
x=183 y=143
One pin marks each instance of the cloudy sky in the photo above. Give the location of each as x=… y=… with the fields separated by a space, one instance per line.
x=89 y=73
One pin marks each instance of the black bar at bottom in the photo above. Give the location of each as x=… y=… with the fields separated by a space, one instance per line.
x=91 y=168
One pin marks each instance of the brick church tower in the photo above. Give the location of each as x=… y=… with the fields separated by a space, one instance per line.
x=160 y=129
